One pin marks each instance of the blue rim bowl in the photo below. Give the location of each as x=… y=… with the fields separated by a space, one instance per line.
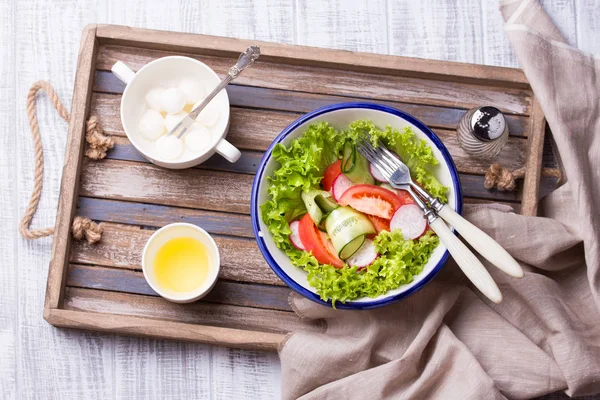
x=263 y=235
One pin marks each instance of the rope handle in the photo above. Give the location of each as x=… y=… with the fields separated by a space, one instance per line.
x=505 y=181
x=99 y=144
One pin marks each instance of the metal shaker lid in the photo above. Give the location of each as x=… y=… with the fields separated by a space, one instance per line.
x=488 y=123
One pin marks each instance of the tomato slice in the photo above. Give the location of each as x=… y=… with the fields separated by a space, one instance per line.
x=332 y=172
x=379 y=223
x=372 y=200
x=317 y=243
x=405 y=197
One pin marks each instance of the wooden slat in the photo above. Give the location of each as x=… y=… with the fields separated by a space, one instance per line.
x=247 y=163
x=200 y=313
x=315 y=79
x=69 y=186
x=267 y=100
x=142 y=326
x=311 y=56
x=208 y=190
x=150 y=215
x=224 y=292
x=147 y=183
x=121 y=247
x=472 y=186
x=513 y=155
x=533 y=169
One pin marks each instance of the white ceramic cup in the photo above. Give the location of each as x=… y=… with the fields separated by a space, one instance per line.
x=161 y=73
x=172 y=231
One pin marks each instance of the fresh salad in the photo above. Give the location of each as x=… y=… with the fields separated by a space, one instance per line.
x=332 y=213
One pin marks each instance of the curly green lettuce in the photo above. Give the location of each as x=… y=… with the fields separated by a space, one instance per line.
x=302 y=165
x=398 y=262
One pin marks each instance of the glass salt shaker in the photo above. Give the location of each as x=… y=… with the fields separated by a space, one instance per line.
x=482 y=132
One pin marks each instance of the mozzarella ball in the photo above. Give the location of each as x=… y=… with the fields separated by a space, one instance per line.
x=193 y=90
x=171 y=120
x=198 y=138
x=169 y=147
x=151 y=125
x=172 y=100
x=210 y=115
x=153 y=99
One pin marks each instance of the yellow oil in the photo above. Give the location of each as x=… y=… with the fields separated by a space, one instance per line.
x=181 y=265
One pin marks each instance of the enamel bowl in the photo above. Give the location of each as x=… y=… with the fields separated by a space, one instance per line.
x=340 y=116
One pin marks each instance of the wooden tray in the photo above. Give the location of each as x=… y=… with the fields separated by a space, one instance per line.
x=101 y=287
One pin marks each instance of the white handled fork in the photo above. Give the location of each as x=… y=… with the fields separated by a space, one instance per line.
x=398 y=175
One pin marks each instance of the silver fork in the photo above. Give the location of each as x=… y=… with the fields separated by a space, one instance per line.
x=398 y=175
x=246 y=59
x=480 y=241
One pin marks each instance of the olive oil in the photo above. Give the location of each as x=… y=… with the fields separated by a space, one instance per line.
x=181 y=265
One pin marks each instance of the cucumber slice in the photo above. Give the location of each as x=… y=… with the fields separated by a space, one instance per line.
x=360 y=172
x=326 y=202
x=352 y=247
x=349 y=157
x=308 y=197
x=344 y=225
x=321 y=225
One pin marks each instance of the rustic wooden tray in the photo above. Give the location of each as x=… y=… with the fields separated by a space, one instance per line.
x=101 y=287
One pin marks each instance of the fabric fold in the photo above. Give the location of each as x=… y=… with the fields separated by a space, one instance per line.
x=448 y=342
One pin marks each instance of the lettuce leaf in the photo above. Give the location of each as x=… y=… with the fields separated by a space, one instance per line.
x=398 y=262
x=302 y=165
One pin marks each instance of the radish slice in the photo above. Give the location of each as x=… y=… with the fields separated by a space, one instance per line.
x=410 y=220
x=376 y=173
x=340 y=185
x=389 y=187
x=295 y=236
x=364 y=256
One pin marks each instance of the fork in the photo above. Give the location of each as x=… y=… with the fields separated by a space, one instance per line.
x=398 y=175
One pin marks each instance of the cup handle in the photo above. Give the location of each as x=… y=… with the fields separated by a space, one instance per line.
x=228 y=151
x=123 y=72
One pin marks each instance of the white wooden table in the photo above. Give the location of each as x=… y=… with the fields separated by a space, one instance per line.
x=39 y=39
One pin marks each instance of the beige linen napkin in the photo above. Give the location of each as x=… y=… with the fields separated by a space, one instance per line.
x=446 y=341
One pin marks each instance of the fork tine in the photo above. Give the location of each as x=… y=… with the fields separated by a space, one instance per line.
x=376 y=160
x=381 y=152
x=389 y=158
x=393 y=156
x=372 y=156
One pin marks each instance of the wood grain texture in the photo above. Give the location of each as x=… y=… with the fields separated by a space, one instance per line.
x=69 y=187
x=41 y=42
x=416 y=28
x=174 y=41
x=224 y=292
x=150 y=215
x=51 y=363
x=186 y=188
x=255 y=107
x=533 y=168
x=121 y=247
x=133 y=325
x=9 y=292
x=195 y=188
x=314 y=79
x=587 y=13
x=316 y=27
x=200 y=314
x=512 y=155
